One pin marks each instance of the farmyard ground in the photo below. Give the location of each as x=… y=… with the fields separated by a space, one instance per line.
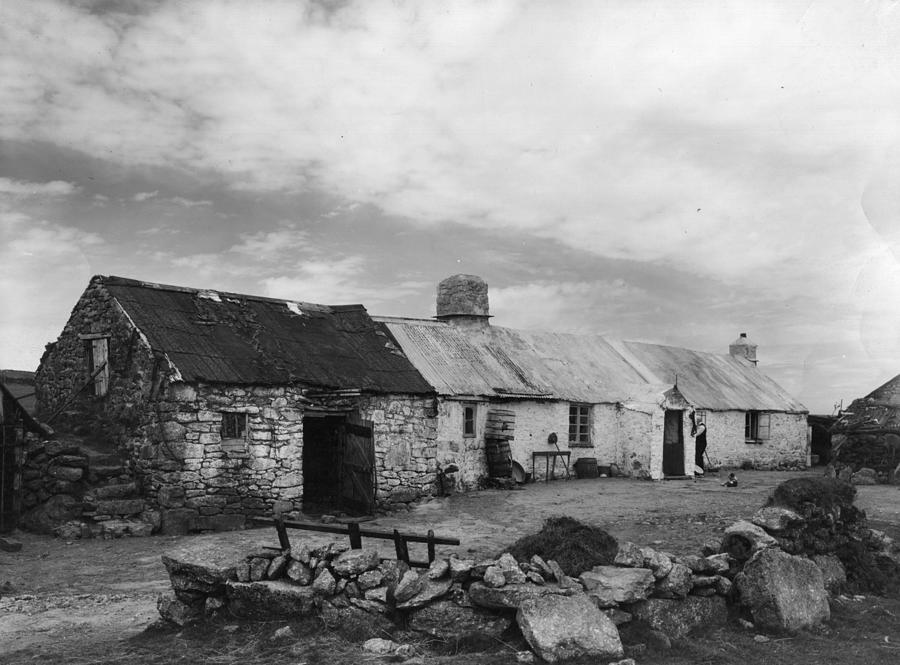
x=95 y=601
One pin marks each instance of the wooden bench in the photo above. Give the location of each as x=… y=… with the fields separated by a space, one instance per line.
x=356 y=534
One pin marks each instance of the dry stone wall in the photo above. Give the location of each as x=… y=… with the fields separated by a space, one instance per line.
x=200 y=480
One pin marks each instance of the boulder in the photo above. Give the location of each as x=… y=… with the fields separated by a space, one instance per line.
x=258 y=568
x=299 y=572
x=510 y=569
x=438 y=569
x=460 y=569
x=784 y=593
x=447 y=621
x=432 y=589
x=380 y=646
x=677 y=584
x=203 y=567
x=325 y=584
x=494 y=577
x=676 y=618
x=629 y=555
x=264 y=600
x=176 y=611
x=610 y=585
x=278 y=566
x=742 y=539
x=512 y=595
x=562 y=628
x=776 y=519
x=370 y=579
x=409 y=586
x=659 y=563
x=864 y=476
x=834 y=575
x=355 y=562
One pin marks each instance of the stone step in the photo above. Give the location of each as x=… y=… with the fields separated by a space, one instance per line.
x=113 y=491
x=115 y=507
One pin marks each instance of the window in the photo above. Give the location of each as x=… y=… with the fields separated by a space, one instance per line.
x=96 y=347
x=756 y=426
x=579 y=425
x=468 y=420
x=234 y=426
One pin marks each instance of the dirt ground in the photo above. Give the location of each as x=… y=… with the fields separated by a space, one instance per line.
x=93 y=601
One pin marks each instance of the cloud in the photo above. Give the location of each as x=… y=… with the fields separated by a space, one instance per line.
x=43 y=267
x=144 y=196
x=188 y=203
x=11 y=187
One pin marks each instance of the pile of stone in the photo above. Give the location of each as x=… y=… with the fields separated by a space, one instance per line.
x=76 y=494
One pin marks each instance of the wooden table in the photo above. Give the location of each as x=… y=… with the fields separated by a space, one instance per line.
x=547 y=455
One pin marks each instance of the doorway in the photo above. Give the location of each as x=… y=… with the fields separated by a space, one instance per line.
x=338 y=464
x=673 y=443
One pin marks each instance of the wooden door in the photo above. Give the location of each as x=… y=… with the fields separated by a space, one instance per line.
x=673 y=444
x=10 y=451
x=357 y=492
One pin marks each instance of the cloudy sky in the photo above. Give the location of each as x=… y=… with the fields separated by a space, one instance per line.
x=666 y=171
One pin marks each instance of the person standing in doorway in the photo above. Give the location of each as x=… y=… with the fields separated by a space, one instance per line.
x=698 y=431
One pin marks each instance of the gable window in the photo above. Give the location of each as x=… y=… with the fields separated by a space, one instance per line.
x=469 y=420
x=579 y=425
x=96 y=348
x=756 y=426
x=234 y=426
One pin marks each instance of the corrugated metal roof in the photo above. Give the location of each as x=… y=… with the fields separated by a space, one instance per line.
x=233 y=338
x=496 y=361
x=715 y=381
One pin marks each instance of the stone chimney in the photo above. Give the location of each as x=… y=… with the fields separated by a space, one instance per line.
x=463 y=301
x=743 y=348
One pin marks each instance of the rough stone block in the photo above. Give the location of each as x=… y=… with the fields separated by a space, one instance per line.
x=263 y=600
x=445 y=620
x=563 y=628
x=676 y=618
x=611 y=585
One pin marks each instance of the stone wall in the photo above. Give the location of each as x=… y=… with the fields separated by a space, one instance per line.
x=134 y=373
x=467 y=453
x=200 y=481
x=879 y=451
x=406 y=451
x=787 y=447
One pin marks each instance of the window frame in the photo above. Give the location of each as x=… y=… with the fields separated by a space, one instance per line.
x=468 y=420
x=241 y=428
x=580 y=424
x=757 y=426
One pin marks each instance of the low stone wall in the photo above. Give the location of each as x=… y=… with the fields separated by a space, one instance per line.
x=747 y=574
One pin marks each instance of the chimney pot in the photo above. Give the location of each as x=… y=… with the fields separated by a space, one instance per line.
x=463 y=300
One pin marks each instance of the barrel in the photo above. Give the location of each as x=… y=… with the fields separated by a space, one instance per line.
x=586 y=467
x=499 y=459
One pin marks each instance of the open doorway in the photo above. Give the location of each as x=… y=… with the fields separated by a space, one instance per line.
x=673 y=443
x=338 y=464
x=321 y=461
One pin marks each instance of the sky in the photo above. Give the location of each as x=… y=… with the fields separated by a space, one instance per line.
x=666 y=171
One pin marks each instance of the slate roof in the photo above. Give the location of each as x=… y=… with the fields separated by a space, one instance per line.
x=498 y=362
x=234 y=338
x=20 y=384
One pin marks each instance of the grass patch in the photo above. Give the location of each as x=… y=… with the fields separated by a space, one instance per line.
x=575 y=546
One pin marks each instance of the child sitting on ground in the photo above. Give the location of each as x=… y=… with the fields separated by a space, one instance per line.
x=731 y=482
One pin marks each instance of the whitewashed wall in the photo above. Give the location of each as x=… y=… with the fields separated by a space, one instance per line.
x=786 y=447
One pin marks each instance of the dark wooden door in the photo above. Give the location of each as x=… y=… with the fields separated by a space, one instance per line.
x=673 y=444
x=10 y=447
x=358 y=466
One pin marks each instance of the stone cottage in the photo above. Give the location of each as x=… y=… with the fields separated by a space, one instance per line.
x=867 y=436
x=619 y=403
x=228 y=405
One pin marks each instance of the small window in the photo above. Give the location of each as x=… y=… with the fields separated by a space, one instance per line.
x=234 y=426
x=756 y=426
x=97 y=350
x=579 y=425
x=468 y=420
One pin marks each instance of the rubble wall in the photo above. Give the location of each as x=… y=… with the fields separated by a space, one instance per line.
x=195 y=477
x=134 y=373
x=406 y=449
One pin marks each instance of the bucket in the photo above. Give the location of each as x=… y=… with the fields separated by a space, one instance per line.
x=586 y=467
